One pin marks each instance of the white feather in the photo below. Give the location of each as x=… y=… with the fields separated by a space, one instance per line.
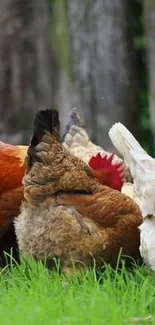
x=147 y=242
x=141 y=165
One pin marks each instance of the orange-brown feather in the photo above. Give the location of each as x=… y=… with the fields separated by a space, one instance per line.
x=117 y=215
x=9 y=206
x=11 y=172
x=105 y=206
x=51 y=170
x=11 y=190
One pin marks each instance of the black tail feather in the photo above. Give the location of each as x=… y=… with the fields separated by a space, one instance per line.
x=45 y=121
x=75 y=118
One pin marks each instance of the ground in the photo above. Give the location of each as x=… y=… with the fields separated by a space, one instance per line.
x=31 y=295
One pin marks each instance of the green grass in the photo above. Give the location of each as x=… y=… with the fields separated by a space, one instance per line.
x=30 y=295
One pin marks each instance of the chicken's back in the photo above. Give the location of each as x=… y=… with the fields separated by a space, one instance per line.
x=128 y=190
x=11 y=194
x=11 y=173
x=78 y=143
x=11 y=168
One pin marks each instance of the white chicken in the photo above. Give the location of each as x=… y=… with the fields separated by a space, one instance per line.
x=142 y=168
x=78 y=143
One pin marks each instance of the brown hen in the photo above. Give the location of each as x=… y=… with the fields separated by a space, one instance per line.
x=67 y=212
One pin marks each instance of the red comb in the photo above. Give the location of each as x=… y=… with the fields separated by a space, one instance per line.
x=109 y=174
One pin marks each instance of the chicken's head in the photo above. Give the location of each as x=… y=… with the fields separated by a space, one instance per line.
x=107 y=173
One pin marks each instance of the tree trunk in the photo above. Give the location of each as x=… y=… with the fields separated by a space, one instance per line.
x=149 y=19
x=103 y=64
x=62 y=86
x=25 y=65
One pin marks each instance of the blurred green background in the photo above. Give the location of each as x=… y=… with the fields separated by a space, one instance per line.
x=96 y=55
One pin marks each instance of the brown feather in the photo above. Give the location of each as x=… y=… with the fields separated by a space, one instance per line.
x=67 y=212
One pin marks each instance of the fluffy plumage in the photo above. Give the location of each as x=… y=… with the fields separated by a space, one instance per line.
x=67 y=212
x=78 y=143
x=142 y=167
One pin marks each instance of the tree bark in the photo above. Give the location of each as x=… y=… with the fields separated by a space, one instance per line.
x=62 y=85
x=149 y=19
x=25 y=65
x=103 y=64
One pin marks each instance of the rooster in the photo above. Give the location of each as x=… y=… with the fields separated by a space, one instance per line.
x=68 y=212
x=11 y=193
x=142 y=167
